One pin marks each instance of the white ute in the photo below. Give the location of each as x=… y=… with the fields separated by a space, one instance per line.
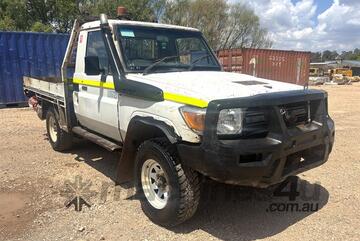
x=157 y=94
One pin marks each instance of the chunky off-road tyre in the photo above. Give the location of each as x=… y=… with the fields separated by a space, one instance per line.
x=169 y=192
x=59 y=139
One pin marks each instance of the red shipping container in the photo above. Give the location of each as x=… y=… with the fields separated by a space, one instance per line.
x=286 y=66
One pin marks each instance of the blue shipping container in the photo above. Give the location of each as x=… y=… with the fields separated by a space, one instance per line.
x=28 y=54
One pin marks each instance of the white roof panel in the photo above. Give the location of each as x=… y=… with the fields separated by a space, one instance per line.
x=95 y=24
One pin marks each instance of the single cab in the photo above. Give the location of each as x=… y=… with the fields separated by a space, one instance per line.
x=157 y=94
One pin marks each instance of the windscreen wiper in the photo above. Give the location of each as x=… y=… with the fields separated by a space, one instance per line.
x=192 y=65
x=147 y=69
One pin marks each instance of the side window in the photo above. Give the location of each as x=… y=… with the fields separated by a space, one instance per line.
x=96 y=47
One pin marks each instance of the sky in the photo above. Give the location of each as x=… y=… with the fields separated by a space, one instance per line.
x=310 y=25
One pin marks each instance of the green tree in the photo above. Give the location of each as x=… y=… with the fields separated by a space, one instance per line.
x=209 y=16
x=328 y=55
x=316 y=57
x=65 y=12
x=7 y=24
x=158 y=8
x=224 y=25
x=59 y=15
x=176 y=12
x=40 y=27
x=13 y=15
x=139 y=10
x=243 y=29
x=351 y=55
x=206 y=15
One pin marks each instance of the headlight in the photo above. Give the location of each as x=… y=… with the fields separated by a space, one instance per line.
x=230 y=121
x=194 y=118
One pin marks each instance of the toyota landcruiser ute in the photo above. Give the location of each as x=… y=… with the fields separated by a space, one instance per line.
x=157 y=94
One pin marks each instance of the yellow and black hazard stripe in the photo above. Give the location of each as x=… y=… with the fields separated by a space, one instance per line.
x=166 y=95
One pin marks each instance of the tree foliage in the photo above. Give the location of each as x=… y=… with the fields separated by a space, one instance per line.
x=59 y=15
x=224 y=25
x=351 y=55
x=243 y=29
x=140 y=10
x=40 y=27
x=13 y=15
x=328 y=55
x=206 y=15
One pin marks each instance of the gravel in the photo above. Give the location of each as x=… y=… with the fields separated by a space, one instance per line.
x=34 y=191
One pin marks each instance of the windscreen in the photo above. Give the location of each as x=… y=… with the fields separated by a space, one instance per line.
x=170 y=49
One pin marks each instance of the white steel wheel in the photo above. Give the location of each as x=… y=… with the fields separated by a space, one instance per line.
x=155 y=184
x=168 y=192
x=52 y=127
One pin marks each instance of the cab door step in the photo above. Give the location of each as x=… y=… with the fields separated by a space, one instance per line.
x=101 y=141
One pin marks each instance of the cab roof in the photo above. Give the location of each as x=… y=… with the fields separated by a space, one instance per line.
x=95 y=24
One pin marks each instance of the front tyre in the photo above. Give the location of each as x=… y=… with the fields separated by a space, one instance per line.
x=169 y=192
x=59 y=139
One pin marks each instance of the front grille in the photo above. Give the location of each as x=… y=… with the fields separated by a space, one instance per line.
x=295 y=114
x=255 y=123
x=255 y=119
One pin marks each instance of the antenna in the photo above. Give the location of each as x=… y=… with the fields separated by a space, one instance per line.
x=306 y=85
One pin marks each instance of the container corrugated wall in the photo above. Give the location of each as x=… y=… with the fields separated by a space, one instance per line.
x=28 y=54
x=285 y=66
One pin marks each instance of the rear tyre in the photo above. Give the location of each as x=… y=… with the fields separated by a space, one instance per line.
x=59 y=139
x=169 y=192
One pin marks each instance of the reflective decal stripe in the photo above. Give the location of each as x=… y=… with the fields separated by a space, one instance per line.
x=94 y=83
x=185 y=100
x=167 y=96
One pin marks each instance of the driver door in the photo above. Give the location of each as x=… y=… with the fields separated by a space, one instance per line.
x=96 y=101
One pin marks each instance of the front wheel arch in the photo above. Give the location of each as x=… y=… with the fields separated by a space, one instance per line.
x=139 y=130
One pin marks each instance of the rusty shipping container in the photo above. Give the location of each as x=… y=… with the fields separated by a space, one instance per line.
x=281 y=65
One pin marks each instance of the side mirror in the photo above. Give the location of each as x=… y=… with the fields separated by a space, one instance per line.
x=92 y=66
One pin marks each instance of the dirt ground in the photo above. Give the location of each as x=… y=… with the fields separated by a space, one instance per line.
x=35 y=181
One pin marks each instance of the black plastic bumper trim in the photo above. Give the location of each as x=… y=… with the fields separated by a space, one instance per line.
x=264 y=161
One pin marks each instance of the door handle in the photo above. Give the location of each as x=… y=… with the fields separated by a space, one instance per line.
x=84 y=88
